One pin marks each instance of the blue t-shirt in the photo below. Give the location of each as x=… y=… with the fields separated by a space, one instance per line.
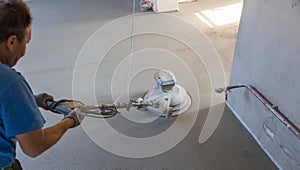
x=19 y=112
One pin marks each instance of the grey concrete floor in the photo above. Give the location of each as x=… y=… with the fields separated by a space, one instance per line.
x=68 y=39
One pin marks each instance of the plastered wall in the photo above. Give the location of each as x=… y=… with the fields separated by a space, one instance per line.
x=267 y=56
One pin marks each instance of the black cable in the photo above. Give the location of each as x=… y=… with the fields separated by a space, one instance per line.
x=57 y=107
x=52 y=106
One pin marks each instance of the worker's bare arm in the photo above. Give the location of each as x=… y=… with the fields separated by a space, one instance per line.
x=36 y=142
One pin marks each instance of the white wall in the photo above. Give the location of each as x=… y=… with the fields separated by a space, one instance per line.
x=267 y=56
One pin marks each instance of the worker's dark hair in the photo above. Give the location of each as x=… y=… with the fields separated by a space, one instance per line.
x=15 y=17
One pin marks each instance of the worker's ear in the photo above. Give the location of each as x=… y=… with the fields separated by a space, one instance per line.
x=11 y=42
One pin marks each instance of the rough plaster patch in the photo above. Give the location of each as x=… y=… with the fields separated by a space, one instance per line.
x=288 y=152
x=270 y=127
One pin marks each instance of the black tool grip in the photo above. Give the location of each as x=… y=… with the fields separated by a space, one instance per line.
x=56 y=108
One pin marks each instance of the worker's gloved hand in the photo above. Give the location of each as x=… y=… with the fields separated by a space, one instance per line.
x=41 y=100
x=77 y=116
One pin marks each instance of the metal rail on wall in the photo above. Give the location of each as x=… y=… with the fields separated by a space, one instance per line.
x=274 y=109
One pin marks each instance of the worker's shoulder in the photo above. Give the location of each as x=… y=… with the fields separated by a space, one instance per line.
x=9 y=76
x=9 y=73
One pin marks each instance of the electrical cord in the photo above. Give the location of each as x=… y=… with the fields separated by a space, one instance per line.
x=130 y=51
x=98 y=112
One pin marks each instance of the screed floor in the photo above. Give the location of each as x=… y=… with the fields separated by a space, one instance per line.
x=81 y=50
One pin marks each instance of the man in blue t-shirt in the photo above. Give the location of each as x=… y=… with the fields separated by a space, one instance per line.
x=20 y=119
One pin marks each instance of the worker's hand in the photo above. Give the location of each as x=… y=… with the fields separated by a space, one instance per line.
x=41 y=100
x=77 y=116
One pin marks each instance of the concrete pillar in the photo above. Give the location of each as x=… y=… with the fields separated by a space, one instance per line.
x=267 y=56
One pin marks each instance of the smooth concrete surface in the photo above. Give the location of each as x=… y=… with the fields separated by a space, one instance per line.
x=223 y=36
x=267 y=57
x=68 y=39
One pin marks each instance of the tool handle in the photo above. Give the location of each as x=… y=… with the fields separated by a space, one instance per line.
x=59 y=109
